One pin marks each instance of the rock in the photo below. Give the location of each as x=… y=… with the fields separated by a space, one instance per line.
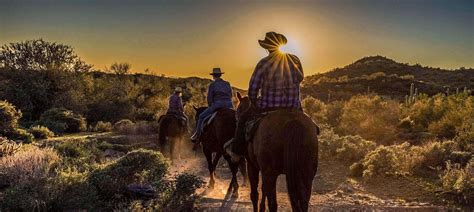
x=141 y=190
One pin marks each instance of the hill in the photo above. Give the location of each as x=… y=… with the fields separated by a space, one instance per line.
x=385 y=77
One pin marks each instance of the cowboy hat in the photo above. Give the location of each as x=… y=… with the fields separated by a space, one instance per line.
x=178 y=89
x=272 y=40
x=216 y=71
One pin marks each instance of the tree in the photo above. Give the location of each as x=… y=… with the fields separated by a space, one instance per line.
x=120 y=68
x=41 y=55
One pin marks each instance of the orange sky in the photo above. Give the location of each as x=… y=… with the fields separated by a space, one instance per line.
x=186 y=38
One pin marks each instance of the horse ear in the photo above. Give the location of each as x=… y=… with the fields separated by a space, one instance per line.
x=195 y=108
x=239 y=96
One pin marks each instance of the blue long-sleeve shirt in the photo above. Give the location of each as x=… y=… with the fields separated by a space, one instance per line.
x=219 y=90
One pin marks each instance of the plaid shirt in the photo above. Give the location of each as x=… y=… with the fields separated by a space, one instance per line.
x=277 y=77
x=175 y=104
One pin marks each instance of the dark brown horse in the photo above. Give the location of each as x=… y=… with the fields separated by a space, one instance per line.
x=213 y=138
x=285 y=142
x=172 y=130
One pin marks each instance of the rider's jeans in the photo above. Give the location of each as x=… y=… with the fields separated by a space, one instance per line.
x=210 y=110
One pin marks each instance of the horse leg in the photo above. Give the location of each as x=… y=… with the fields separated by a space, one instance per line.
x=215 y=162
x=243 y=170
x=208 y=155
x=253 y=179
x=172 y=141
x=269 y=190
x=234 y=184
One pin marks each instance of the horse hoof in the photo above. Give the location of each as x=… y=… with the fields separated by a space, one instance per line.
x=235 y=195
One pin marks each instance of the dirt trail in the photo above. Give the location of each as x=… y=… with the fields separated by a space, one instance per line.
x=332 y=190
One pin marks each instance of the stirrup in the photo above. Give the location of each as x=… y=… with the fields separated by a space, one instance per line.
x=194 y=137
x=228 y=149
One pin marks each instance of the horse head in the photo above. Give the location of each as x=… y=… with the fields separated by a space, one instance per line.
x=198 y=110
x=243 y=106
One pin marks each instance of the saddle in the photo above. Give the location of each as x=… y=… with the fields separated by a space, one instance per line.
x=253 y=122
x=181 y=118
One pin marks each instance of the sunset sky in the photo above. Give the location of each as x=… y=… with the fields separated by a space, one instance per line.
x=184 y=38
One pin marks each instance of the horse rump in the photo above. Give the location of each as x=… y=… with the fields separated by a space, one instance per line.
x=301 y=163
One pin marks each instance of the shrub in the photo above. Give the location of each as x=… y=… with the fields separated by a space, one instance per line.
x=370 y=117
x=183 y=196
x=380 y=162
x=72 y=191
x=40 y=132
x=315 y=109
x=354 y=148
x=21 y=134
x=9 y=117
x=459 y=181
x=28 y=165
x=61 y=120
x=138 y=166
x=8 y=147
x=349 y=149
x=101 y=126
x=124 y=126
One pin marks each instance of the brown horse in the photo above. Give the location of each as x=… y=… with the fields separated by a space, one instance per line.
x=213 y=138
x=285 y=142
x=173 y=130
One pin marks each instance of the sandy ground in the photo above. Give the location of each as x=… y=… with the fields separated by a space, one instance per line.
x=333 y=190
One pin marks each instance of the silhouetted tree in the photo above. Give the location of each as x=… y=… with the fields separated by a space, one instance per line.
x=41 y=55
x=120 y=68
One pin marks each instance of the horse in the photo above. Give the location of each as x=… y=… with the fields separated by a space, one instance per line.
x=285 y=142
x=213 y=138
x=173 y=130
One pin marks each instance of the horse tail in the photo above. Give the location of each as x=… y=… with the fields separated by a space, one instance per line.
x=300 y=169
x=164 y=122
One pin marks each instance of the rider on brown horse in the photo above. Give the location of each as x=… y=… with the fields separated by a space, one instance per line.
x=219 y=96
x=277 y=78
x=176 y=107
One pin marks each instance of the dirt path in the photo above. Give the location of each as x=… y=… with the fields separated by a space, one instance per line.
x=332 y=190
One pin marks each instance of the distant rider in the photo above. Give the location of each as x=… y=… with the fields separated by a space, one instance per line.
x=219 y=95
x=176 y=104
x=277 y=79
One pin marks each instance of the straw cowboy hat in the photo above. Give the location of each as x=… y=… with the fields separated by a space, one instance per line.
x=178 y=89
x=272 y=40
x=216 y=71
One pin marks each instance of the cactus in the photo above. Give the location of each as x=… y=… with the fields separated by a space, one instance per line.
x=410 y=99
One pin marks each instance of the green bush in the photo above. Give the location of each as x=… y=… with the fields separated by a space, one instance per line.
x=183 y=195
x=61 y=120
x=315 y=108
x=380 y=162
x=354 y=148
x=9 y=117
x=101 y=126
x=124 y=126
x=460 y=181
x=40 y=132
x=21 y=134
x=72 y=191
x=370 y=117
x=138 y=166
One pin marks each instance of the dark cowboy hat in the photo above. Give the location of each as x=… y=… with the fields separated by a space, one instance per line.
x=272 y=40
x=216 y=71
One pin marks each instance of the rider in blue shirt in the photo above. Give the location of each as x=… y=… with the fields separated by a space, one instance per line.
x=219 y=96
